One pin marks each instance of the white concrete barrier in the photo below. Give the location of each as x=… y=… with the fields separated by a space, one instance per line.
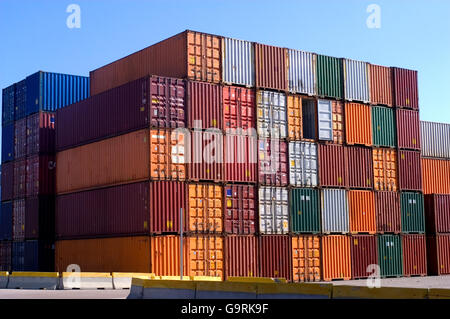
x=137 y=288
x=33 y=280
x=86 y=280
x=123 y=280
x=4 y=276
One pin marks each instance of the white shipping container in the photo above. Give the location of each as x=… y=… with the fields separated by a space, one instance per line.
x=271 y=114
x=273 y=210
x=435 y=138
x=238 y=62
x=302 y=72
x=325 y=119
x=356 y=80
x=303 y=164
x=334 y=207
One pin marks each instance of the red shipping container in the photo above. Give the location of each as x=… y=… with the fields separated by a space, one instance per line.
x=360 y=167
x=241 y=163
x=206 y=156
x=273 y=162
x=380 y=85
x=405 y=88
x=438 y=254
x=41 y=134
x=410 y=170
x=387 y=211
x=414 y=255
x=271 y=67
x=437 y=213
x=204 y=105
x=40 y=176
x=5 y=256
x=20 y=174
x=7 y=181
x=364 y=252
x=408 y=129
x=240 y=214
x=241 y=255
x=19 y=220
x=332 y=165
x=40 y=218
x=20 y=138
x=275 y=256
x=239 y=108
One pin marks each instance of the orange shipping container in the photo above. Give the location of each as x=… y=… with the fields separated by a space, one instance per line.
x=385 y=169
x=436 y=176
x=205 y=208
x=362 y=212
x=165 y=256
x=295 y=118
x=120 y=254
x=338 y=122
x=306 y=258
x=380 y=85
x=205 y=256
x=358 y=124
x=336 y=261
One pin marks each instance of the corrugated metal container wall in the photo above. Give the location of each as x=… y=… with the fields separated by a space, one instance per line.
x=335 y=216
x=241 y=255
x=390 y=256
x=409 y=171
x=271 y=114
x=435 y=174
x=241 y=161
x=358 y=124
x=39 y=256
x=20 y=138
x=435 y=138
x=204 y=101
x=18 y=233
x=306 y=265
x=304 y=210
x=380 y=85
x=408 y=129
x=387 y=208
x=8 y=142
x=5 y=256
x=240 y=211
x=7 y=181
x=8 y=104
x=437 y=217
x=205 y=208
x=405 y=88
x=20 y=100
x=18 y=256
x=412 y=209
x=364 y=252
x=302 y=72
x=119 y=254
x=41 y=133
x=238 y=62
x=20 y=173
x=189 y=54
x=40 y=179
x=360 y=168
x=273 y=210
x=325 y=120
x=438 y=254
x=239 y=108
x=206 y=156
x=275 y=259
x=329 y=76
x=205 y=256
x=385 y=169
x=40 y=217
x=336 y=257
x=332 y=156
x=303 y=169
x=270 y=67
x=383 y=125
x=273 y=162
x=356 y=80
x=414 y=255
x=6 y=221
x=294 y=117
x=165 y=256
x=362 y=212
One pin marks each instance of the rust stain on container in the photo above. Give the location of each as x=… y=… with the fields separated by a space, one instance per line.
x=271 y=67
x=408 y=129
x=362 y=212
x=275 y=259
x=364 y=252
x=239 y=107
x=409 y=170
x=241 y=163
x=358 y=124
x=336 y=259
x=436 y=176
x=205 y=253
x=387 y=208
x=205 y=208
x=165 y=256
x=360 y=171
x=332 y=156
x=306 y=258
x=240 y=212
x=380 y=85
x=414 y=255
x=241 y=255
x=385 y=169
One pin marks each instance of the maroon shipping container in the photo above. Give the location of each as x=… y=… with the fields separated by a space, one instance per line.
x=438 y=254
x=405 y=88
x=40 y=218
x=7 y=181
x=273 y=162
x=408 y=129
x=204 y=105
x=240 y=215
x=437 y=213
x=151 y=101
x=360 y=167
x=40 y=175
x=5 y=255
x=387 y=209
x=20 y=174
x=332 y=165
x=20 y=138
x=240 y=158
x=410 y=170
x=19 y=220
x=271 y=67
x=41 y=134
x=206 y=156
x=275 y=256
x=364 y=252
x=241 y=255
x=239 y=108
x=414 y=255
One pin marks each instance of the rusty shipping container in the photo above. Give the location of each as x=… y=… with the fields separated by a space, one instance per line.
x=240 y=158
x=408 y=129
x=414 y=255
x=240 y=209
x=205 y=210
x=7 y=181
x=205 y=156
x=271 y=67
x=241 y=255
x=41 y=133
x=358 y=124
x=436 y=176
x=204 y=105
x=438 y=254
x=205 y=255
x=40 y=176
x=387 y=210
x=332 y=156
x=189 y=54
x=336 y=257
x=165 y=256
x=275 y=256
x=437 y=213
x=20 y=178
x=364 y=253
x=239 y=108
x=409 y=171
x=40 y=218
x=362 y=212
x=18 y=233
x=405 y=88
x=385 y=169
x=380 y=85
x=306 y=265
x=20 y=138
x=360 y=169
x=273 y=162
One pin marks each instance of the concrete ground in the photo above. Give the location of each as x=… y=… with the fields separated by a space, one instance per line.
x=411 y=282
x=63 y=294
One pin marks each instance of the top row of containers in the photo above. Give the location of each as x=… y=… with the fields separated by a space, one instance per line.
x=209 y=58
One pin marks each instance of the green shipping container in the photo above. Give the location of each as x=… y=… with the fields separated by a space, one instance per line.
x=329 y=76
x=413 y=216
x=383 y=125
x=390 y=255
x=305 y=214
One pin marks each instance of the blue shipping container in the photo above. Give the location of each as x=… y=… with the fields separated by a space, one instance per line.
x=7 y=142
x=39 y=256
x=18 y=256
x=6 y=221
x=8 y=98
x=20 y=110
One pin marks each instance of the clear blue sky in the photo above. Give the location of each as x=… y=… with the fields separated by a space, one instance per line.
x=414 y=34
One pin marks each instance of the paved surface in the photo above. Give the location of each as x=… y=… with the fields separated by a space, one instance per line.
x=63 y=294
x=411 y=282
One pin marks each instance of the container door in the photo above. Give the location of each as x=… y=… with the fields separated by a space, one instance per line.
x=325 y=116
x=281 y=211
